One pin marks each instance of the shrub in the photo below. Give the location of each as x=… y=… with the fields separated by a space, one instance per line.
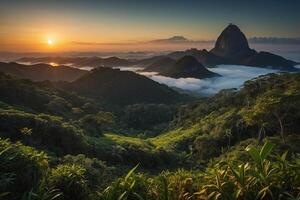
x=70 y=180
x=47 y=131
x=21 y=168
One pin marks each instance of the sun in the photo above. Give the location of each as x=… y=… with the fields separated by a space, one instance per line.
x=50 y=42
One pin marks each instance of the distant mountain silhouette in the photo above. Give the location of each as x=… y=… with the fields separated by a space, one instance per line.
x=122 y=88
x=188 y=66
x=232 y=47
x=80 y=61
x=203 y=56
x=160 y=65
x=174 y=39
x=145 y=62
x=41 y=72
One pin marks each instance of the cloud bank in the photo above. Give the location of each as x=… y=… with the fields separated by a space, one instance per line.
x=274 y=40
x=233 y=76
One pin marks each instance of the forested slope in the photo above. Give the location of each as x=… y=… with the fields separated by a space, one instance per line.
x=238 y=144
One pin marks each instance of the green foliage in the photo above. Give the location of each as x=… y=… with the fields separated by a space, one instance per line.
x=46 y=131
x=263 y=176
x=95 y=124
x=99 y=175
x=128 y=187
x=207 y=137
x=58 y=106
x=70 y=180
x=129 y=150
x=43 y=97
x=273 y=110
x=148 y=116
x=21 y=168
x=266 y=106
x=260 y=177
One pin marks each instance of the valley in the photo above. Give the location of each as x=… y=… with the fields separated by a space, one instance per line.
x=170 y=123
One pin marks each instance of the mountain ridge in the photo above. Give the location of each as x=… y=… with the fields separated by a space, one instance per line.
x=122 y=88
x=41 y=72
x=187 y=67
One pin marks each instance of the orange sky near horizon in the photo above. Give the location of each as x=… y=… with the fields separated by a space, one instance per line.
x=26 y=26
x=65 y=37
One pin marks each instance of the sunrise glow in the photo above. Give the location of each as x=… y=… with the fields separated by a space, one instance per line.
x=50 y=42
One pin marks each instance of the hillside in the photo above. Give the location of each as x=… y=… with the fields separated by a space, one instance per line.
x=66 y=137
x=160 y=65
x=123 y=88
x=188 y=67
x=79 y=61
x=41 y=72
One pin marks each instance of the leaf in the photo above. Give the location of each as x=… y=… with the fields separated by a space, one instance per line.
x=266 y=150
x=253 y=152
x=138 y=196
x=132 y=185
x=56 y=196
x=122 y=195
x=130 y=172
x=165 y=187
x=283 y=156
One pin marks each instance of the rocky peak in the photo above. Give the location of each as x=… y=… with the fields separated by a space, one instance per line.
x=231 y=42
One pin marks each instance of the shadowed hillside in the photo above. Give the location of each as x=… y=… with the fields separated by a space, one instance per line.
x=122 y=88
x=41 y=72
x=188 y=67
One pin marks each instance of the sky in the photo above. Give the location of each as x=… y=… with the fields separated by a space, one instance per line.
x=135 y=25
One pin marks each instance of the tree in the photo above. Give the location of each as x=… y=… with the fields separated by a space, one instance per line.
x=271 y=108
x=97 y=123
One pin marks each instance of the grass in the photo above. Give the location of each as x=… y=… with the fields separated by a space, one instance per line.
x=127 y=140
x=169 y=140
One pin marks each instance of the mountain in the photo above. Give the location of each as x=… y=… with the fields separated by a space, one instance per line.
x=188 y=66
x=115 y=62
x=203 y=56
x=232 y=45
x=80 y=61
x=41 y=72
x=174 y=39
x=122 y=88
x=160 y=65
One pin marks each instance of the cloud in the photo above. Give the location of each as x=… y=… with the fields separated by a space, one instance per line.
x=178 y=40
x=101 y=43
x=274 y=40
x=183 y=40
x=233 y=76
x=171 y=40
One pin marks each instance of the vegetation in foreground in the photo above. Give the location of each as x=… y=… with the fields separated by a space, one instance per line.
x=262 y=174
x=56 y=144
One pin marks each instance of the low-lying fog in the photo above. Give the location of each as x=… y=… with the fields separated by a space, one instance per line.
x=233 y=76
